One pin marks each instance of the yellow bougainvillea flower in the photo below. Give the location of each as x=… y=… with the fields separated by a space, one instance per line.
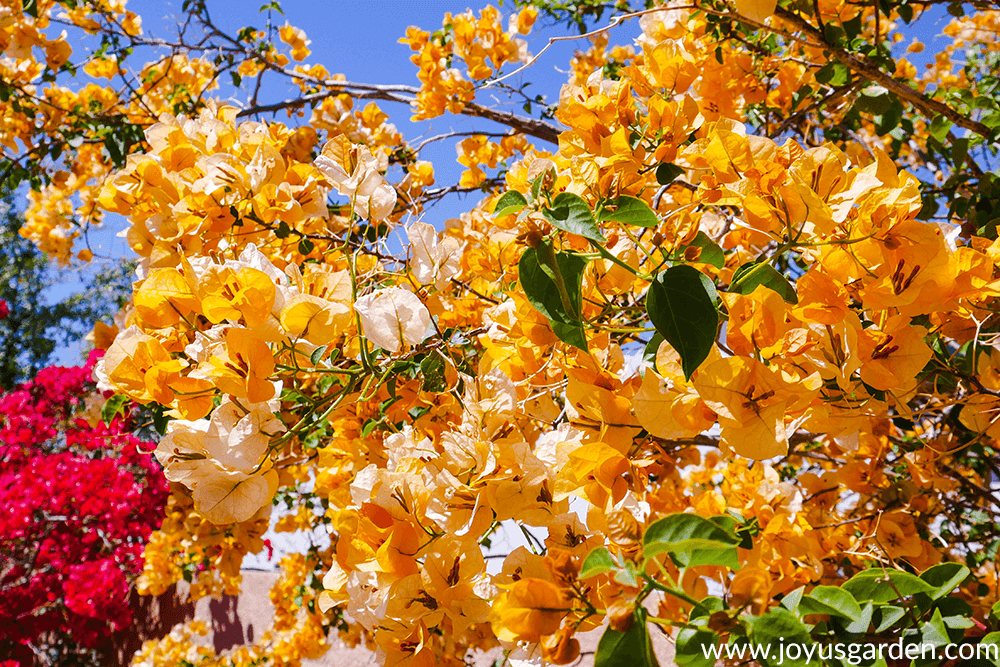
x=228 y=294
x=393 y=318
x=751 y=400
x=164 y=298
x=596 y=471
x=233 y=497
x=434 y=261
x=528 y=611
x=894 y=355
x=242 y=367
x=357 y=173
x=295 y=38
x=322 y=312
x=138 y=366
x=751 y=587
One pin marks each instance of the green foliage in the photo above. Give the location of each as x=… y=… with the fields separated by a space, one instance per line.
x=551 y=281
x=33 y=329
x=682 y=306
x=880 y=606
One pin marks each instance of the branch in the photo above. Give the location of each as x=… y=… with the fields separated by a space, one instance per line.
x=929 y=107
x=597 y=31
x=407 y=95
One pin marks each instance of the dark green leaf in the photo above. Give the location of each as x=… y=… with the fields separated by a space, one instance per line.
x=30 y=7
x=510 y=202
x=682 y=306
x=629 y=211
x=632 y=648
x=598 y=561
x=945 y=577
x=667 y=173
x=834 y=74
x=305 y=246
x=571 y=213
x=751 y=275
x=649 y=354
x=874 y=100
x=317 y=354
x=543 y=293
x=434 y=369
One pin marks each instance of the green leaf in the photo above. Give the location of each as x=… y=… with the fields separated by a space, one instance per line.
x=940 y=127
x=959 y=151
x=874 y=99
x=598 y=561
x=792 y=601
x=682 y=306
x=692 y=647
x=632 y=648
x=885 y=586
x=305 y=246
x=667 y=173
x=751 y=275
x=934 y=631
x=434 y=369
x=711 y=253
x=860 y=626
x=543 y=293
x=945 y=577
x=626 y=576
x=510 y=202
x=571 y=213
x=991 y=655
x=317 y=355
x=886 y=616
x=834 y=74
x=114 y=406
x=832 y=601
x=777 y=629
x=905 y=12
x=649 y=354
x=160 y=419
x=283 y=230
x=30 y=7
x=686 y=535
x=629 y=211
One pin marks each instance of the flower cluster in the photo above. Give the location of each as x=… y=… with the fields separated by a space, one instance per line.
x=78 y=498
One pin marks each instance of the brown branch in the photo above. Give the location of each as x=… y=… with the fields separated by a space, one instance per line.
x=929 y=107
x=406 y=95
